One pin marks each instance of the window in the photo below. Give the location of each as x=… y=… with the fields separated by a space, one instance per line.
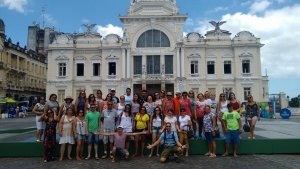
x=169 y=64
x=194 y=67
x=137 y=65
x=62 y=69
x=96 y=69
x=247 y=91
x=153 y=64
x=112 y=68
x=153 y=38
x=226 y=91
x=211 y=67
x=60 y=95
x=80 y=69
x=246 y=66
x=227 y=67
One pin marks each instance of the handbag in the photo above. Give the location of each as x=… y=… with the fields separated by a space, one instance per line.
x=190 y=132
x=246 y=126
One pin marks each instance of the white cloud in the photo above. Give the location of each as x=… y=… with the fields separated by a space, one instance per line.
x=220 y=8
x=109 y=29
x=278 y=30
x=259 y=6
x=49 y=20
x=18 y=5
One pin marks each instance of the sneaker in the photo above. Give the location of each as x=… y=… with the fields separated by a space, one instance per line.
x=212 y=156
x=177 y=160
x=104 y=156
x=207 y=154
x=113 y=160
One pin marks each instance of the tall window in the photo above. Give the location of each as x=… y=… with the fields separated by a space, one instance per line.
x=62 y=69
x=112 y=68
x=80 y=69
x=227 y=67
x=210 y=67
x=168 y=64
x=194 y=67
x=60 y=95
x=226 y=91
x=137 y=65
x=153 y=38
x=247 y=91
x=96 y=69
x=153 y=64
x=246 y=66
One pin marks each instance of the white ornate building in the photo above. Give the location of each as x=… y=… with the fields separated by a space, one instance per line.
x=154 y=55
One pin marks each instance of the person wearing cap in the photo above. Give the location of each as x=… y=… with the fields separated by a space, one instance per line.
x=64 y=106
x=108 y=123
x=119 y=144
x=92 y=120
x=232 y=128
x=113 y=96
x=168 y=104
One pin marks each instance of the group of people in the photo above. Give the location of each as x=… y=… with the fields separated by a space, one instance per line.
x=171 y=121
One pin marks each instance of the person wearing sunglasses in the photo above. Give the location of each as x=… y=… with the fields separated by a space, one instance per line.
x=221 y=109
x=252 y=115
x=171 y=144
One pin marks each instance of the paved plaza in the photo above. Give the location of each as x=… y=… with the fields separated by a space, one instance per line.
x=196 y=161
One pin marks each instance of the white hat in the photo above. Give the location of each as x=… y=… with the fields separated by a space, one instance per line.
x=119 y=126
x=112 y=89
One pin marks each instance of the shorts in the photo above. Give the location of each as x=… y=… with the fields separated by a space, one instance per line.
x=168 y=150
x=80 y=136
x=40 y=125
x=105 y=139
x=93 y=138
x=155 y=130
x=232 y=135
x=253 y=118
x=209 y=136
x=183 y=135
x=121 y=151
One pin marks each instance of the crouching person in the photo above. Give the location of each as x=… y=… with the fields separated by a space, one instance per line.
x=119 y=149
x=171 y=144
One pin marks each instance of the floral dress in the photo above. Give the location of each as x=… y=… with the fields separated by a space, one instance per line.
x=50 y=140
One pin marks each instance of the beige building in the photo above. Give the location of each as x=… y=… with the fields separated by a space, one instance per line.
x=153 y=54
x=22 y=71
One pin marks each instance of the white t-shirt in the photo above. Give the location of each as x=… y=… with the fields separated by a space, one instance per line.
x=213 y=105
x=126 y=123
x=156 y=122
x=128 y=99
x=120 y=109
x=183 y=121
x=173 y=121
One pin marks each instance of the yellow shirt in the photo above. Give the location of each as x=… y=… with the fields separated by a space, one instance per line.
x=141 y=121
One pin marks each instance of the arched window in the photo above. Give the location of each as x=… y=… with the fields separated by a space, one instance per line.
x=153 y=38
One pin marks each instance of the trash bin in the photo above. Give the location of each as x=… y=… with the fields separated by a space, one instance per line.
x=285 y=113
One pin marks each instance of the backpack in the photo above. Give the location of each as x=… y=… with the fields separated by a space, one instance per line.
x=165 y=137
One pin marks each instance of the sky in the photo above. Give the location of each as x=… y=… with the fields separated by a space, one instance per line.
x=275 y=22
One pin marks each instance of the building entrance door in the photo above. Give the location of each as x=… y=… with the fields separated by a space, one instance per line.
x=153 y=88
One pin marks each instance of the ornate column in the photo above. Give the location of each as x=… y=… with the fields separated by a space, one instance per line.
x=128 y=60
x=178 y=63
x=182 y=63
x=124 y=65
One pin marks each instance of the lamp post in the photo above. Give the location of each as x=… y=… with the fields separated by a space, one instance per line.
x=288 y=98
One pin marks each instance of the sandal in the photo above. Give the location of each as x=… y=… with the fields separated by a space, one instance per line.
x=87 y=158
x=97 y=158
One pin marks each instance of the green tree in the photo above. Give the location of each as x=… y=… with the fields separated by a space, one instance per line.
x=294 y=102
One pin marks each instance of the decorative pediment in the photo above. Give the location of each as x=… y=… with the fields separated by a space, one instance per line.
x=244 y=35
x=194 y=37
x=63 y=39
x=88 y=38
x=96 y=57
x=194 y=56
x=112 y=58
x=153 y=7
x=246 y=54
x=62 y=58
x=111 y=39
x=80 y=58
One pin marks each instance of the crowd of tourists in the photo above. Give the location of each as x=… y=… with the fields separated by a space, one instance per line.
x=115 y=121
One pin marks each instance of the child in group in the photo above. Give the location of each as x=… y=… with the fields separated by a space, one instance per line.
x=81 y=133
x=209 y=127
x=50 y=119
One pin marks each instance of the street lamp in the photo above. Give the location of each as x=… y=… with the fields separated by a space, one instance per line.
x=288 y=98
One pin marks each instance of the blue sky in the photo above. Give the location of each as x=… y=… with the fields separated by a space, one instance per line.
x=276 y=22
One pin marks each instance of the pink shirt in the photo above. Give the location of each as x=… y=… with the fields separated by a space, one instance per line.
x=200 y=108
x=187 y=106
x=120 y=140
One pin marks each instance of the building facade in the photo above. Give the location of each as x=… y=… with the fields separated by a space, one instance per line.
x=22 y=71
x=154 y=55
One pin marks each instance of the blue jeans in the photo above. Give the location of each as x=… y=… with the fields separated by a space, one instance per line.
x=232 y=135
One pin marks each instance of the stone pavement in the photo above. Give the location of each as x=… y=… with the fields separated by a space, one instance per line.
x=199 y=162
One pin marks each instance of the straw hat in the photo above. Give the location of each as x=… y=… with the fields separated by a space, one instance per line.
x=69 y=97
